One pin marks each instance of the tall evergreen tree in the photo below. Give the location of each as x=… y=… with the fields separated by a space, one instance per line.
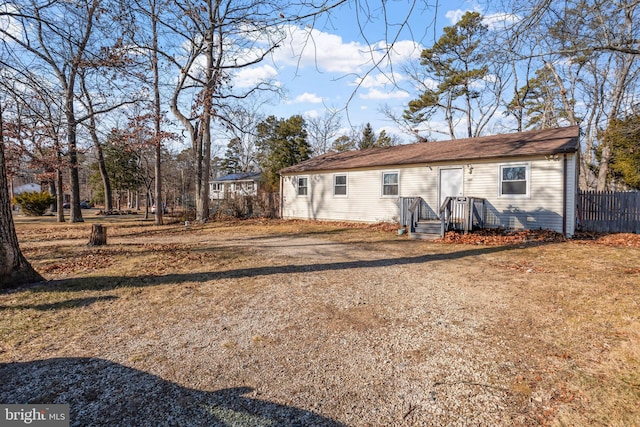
x=539 y=102
x=343 y=143
x=368 y=138
x=281 y=143
x=232 y=162
x=623 y=136
x=458 y=65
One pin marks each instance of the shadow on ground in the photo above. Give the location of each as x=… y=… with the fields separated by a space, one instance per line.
x=111 y=282
x=60 y=305
x=103 y=393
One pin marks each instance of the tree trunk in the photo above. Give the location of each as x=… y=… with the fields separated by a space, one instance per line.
x=102 y=167
x=54 y=193
x=98 y=235
x=60 y=195
x=160 y=203
x=15 y=270
x=75 y=213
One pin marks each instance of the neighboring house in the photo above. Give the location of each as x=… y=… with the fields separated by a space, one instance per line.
x=234 y=185
x=526 y=180
x=27 y=188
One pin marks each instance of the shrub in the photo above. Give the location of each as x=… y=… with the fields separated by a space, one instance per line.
x=34 y=203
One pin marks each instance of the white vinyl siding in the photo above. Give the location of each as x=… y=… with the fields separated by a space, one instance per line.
x=542 y=208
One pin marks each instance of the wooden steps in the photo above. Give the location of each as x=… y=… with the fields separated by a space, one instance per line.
x=426 y=230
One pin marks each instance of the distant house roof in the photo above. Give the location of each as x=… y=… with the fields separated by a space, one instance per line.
x=27 y=188
x=250 y=176
x=541 y=142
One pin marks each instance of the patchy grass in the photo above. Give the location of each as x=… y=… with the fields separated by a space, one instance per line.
x=564 y=314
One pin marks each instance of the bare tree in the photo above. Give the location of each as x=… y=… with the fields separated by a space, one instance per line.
x=211 y=49
x=242 y=121
x=589 y=48
x=56 y=41
x=15 y=270
x=34 y=127
x=147 y=40
x=322 y=131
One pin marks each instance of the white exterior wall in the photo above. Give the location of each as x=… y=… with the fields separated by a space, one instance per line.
x=542 y=207
x=232 y=189
x=363 y=202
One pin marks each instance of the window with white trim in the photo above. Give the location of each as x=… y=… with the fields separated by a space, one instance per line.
x=390 y=184
x=514 y=180
x=340 y=185
x=303 y=186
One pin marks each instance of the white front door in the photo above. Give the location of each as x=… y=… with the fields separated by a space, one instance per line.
x=450 y=183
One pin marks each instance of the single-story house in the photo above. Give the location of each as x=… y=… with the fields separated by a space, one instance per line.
x=526 y=180
x=234 y=185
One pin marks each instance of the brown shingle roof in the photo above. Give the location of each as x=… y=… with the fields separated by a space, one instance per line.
x=540 y=142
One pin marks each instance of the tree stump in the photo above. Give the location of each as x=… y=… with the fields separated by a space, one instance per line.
x=98 y=235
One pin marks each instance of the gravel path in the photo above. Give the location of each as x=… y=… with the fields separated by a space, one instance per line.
x=322 y=333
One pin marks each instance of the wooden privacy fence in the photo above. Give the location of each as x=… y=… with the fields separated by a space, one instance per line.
x=609 y=211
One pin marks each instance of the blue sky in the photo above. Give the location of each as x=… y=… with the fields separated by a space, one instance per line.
x=329 y=71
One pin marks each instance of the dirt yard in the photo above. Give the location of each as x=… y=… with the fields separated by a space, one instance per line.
x=269 y=323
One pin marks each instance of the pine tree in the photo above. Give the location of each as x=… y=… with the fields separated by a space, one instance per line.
x=232 y=162
x=281 y=143
x=456 y=62
x=368 y=138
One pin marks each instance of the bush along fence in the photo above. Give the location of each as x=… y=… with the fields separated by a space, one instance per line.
x=609 y=211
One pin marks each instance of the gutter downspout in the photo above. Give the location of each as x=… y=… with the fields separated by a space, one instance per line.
x=281 y=196
x=564 y=195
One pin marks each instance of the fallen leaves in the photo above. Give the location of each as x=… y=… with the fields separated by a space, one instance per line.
x=86 y=262
x=612 y=239
x=500 y=236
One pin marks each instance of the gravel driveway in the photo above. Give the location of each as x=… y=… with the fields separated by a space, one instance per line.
x=320 y=333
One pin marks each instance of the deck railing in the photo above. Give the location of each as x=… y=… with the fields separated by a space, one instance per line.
x=461 y=214
x=410 y=211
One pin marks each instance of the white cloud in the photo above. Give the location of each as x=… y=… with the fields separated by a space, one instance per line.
x=309 y=47
x=500 y=20
x=405 y=50
x=382 y=95
x=249 y=77
x=370 y=81
x=7 y=23
x=307 y=97
x=454 y=15
x=493 y=20
x=328 y=52
x=377 y=80
x=311 y=114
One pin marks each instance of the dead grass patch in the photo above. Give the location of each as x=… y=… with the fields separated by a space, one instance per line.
x=350 y=320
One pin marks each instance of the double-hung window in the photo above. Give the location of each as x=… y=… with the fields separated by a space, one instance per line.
x=390 y=184
x=303 y=186
x=340 y=185
x=514 y=180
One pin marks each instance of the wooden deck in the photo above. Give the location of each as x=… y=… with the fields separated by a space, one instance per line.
x=462 y=214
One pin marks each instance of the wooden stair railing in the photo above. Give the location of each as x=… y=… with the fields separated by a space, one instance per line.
x=445 y=215
x=461 y=213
